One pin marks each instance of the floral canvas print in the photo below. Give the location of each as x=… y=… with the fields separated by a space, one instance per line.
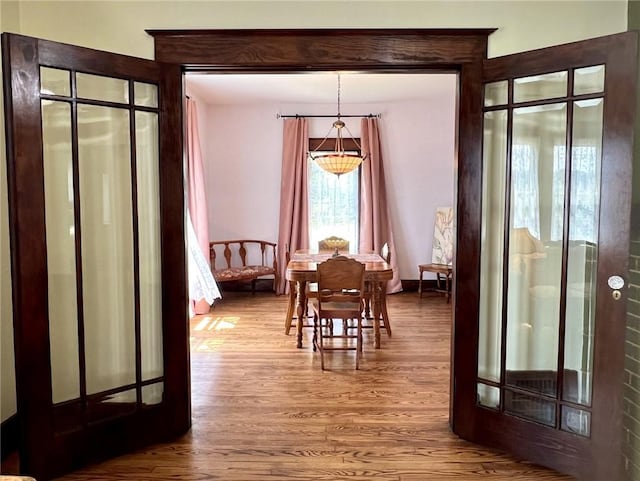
x=443 y=237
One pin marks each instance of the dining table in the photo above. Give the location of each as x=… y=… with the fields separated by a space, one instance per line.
x=302 y=269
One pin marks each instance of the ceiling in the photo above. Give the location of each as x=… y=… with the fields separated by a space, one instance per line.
x=317 y=87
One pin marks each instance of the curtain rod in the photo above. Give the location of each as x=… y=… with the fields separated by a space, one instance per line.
x=301 y=116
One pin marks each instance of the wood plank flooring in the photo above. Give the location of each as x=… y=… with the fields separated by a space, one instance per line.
x=263 y=410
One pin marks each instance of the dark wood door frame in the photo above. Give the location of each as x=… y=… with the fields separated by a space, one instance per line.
x=379 y=50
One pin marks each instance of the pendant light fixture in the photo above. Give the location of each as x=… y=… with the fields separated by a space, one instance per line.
x=338 y=161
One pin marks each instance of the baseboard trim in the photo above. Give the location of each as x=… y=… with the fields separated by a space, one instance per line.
x=411 y=285
x=262 y=285
x=266 y=285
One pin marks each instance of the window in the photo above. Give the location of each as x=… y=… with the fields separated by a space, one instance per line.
x=585 y=192
x=524 y=187
x=585 y=182
x=333 y=205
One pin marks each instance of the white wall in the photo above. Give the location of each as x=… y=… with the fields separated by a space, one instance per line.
x=7 y=369
x=119 y=26
x=8 y=20
x=420 y=146
x=242 y=150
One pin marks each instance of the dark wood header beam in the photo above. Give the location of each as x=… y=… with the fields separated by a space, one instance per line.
x=321 y=49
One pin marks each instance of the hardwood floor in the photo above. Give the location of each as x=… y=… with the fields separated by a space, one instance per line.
x=263 y=410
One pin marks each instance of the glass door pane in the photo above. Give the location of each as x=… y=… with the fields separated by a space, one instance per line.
x=535 y=249
x=148 y=196
x=61 y=250
x=582 y=257
x=107 y=246
x=492 y=247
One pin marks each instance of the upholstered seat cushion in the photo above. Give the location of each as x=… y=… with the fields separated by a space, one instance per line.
x=240 y=273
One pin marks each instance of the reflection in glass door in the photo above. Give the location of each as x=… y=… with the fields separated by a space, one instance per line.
x=543 y=140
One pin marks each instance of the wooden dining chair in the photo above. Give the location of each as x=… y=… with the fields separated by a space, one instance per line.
x=443 y=272
x=340 y=296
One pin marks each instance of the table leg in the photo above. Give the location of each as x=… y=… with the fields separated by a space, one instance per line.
x=301 y=310
x=383 y=307
x=290 y=307
x=376 y=313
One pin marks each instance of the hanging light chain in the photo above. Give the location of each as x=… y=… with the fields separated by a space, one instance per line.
x=338 y=95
